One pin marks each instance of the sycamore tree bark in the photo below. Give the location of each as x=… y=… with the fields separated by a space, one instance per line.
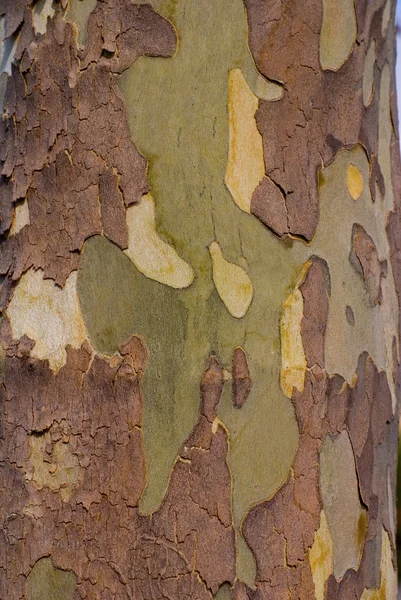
x=201 y=265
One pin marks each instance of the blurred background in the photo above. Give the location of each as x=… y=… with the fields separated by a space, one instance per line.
x=398 y=76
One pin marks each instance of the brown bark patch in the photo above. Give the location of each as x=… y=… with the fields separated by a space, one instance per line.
x=67 y=146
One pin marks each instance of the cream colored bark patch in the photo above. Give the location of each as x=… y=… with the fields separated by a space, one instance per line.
x=354 y=181
x=47 y=314
x=321 y=557
x=346 y=518
x=151 y=256
x=368 y=80
x=293 y=361
x=338 y=33
x=52 y=465
x=245 y=167
x=232 y=282
x=43 y=10
x=388 y=584
x=20 y=218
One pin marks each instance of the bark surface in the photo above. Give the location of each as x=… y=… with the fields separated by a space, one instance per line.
x=200 y=221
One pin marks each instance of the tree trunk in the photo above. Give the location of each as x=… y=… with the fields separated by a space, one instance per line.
x=201 y=260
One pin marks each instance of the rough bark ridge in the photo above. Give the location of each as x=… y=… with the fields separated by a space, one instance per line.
x=129 y=281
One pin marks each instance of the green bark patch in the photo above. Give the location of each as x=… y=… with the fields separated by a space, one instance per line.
x=45 y=582
x=347 y=519
x=79 y=12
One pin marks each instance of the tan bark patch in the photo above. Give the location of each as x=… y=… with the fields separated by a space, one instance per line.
x=20 y=218
x=232 y=282
x=52 y=465
x=293 y=360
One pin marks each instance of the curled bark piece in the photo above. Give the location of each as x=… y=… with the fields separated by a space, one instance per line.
x=242 y=382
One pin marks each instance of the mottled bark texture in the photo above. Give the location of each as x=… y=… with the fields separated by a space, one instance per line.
x=200 y=221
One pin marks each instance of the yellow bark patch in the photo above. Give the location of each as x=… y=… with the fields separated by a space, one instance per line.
x=293 y=361
x=388 y=583
x=47 y=314
x=338 y=33
x=354 y=181
x=321 y=557
x=232 y=282
x=52 y=465
x=20 y=218
x=346 y=517
x=245 y=167
x=151 y=256
x=368 y=71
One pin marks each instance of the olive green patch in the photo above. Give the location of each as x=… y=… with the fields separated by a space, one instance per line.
x=116 y=301
x=179 y=120
x=45 y=582
x=338 y=33
x=223 y=593
x=78 y=12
